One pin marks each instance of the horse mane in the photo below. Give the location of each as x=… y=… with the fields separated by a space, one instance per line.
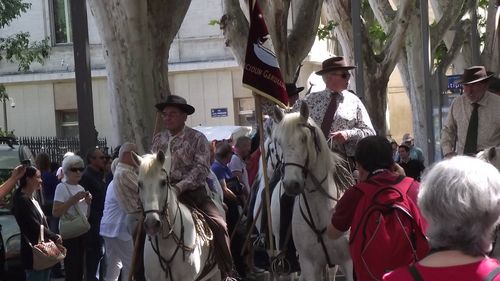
x=149 y=165
x=288 y=126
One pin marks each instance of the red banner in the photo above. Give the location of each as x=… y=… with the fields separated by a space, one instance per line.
x=262 y=73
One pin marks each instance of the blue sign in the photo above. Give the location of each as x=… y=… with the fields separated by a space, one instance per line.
x=219 y=112
x=453 y=82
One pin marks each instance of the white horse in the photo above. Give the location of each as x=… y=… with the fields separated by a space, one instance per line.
x=492 y=156
x=309 y=167
x=177 y=247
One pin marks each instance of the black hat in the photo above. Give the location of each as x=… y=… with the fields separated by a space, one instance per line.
x=332 y=64
x=292 y=89
x=179 y=102
x=475 y=74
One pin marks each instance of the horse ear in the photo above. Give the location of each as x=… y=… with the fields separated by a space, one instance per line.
x=304 y=110
x=278 y=115
x=136 y=158
x=160 y=156
x=492 y=153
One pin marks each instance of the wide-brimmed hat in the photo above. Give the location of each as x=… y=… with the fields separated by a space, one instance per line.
x=179 y=102
x=292 y=89
x=332 y=64
x=494 y=85
x=407 y=137
x=474 y=74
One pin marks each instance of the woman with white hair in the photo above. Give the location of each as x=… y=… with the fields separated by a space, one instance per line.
x=71 y=198
x=460 y=199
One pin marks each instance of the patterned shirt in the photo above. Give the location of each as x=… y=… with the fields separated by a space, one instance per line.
x=190 y=152
x=125 y=182
x=454 y=131
x=351 y=117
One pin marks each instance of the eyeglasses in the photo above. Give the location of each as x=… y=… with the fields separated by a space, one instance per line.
x=77 y=169
x=170 y=114
x=344 y=75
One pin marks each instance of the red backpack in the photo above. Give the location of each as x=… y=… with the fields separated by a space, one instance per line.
x=387 y=230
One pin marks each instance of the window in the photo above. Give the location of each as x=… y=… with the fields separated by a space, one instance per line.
x=68 y=124
x=62 y=21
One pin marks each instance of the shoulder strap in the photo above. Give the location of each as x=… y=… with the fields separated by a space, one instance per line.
x=74 y=205
x=414 y=273
x=493 y=274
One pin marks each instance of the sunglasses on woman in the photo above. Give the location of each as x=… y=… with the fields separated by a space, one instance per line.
x=77 y=169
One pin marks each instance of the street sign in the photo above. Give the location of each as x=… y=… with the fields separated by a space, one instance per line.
x=219 y=112
x=453 y=82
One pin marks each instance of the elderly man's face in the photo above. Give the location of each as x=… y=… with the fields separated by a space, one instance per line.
x=174 y=119
x=337 y=80
x=475 y=91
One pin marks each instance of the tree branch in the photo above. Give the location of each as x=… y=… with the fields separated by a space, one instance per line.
x=455 y=9
x=298 y=44
x=489 y=51
x=462 y=29
x=235 y=28
x=394 y=43
x=383 y=12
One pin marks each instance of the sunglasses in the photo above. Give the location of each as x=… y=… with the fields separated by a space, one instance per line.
x=344 y=75
x=77 y=169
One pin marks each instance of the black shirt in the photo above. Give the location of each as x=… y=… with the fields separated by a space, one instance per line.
x=413 y=168
x=93 y=181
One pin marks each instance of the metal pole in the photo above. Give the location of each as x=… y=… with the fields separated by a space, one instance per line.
x=5 y=117
x=358 y=50
x=86 y=127
x=424 y=21
x=474 y=34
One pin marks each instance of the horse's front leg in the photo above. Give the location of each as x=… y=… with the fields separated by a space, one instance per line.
x=310 y=271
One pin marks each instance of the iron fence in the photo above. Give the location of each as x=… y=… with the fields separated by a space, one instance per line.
x=56 y=147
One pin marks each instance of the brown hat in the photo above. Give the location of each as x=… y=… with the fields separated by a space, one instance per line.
x=292 y=89
x=494 y=85
x=176 y=101
x=332 y=64
x=474 y=74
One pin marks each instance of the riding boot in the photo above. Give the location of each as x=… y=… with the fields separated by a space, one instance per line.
x=286 y=239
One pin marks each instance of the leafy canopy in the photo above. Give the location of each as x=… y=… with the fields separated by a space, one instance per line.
x=17 y=47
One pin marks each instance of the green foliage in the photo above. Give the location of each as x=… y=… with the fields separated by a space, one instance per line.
x=11 y=9
x=440 y=53
x=325 y=31
x=214 y=22
x=377 y=36
x=18 y=48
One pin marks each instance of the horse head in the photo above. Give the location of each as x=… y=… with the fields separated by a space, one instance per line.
x=300 y=141
x=491 y=155
x=154 y=189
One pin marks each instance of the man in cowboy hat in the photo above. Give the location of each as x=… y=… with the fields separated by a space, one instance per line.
x=190 y=153
x=473 y=122
x=341 y=114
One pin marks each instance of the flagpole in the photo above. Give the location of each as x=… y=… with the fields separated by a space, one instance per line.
x=258 y=115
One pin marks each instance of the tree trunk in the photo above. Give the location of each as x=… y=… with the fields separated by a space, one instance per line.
x=136 y=37
x=291 y=44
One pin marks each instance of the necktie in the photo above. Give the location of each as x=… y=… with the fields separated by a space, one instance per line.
x=470 y=146
x=326 y=125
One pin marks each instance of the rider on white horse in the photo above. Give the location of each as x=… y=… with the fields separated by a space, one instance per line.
x=190 y=167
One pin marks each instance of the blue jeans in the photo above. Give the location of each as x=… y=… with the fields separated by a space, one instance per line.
x=38 y=275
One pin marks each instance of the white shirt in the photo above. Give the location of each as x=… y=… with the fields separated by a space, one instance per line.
x=64 y=191
x=237 y=164
x=114 y=218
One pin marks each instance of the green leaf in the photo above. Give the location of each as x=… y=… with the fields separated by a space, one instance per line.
x=325 y=31
x=11 y=9
x=214 y=22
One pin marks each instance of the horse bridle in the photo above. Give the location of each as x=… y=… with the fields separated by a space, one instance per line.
x=304 y=167
x=275 y=154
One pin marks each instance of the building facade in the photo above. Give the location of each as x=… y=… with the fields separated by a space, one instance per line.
x=199 y=65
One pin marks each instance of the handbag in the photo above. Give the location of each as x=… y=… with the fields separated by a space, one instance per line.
x=46 y=254
x=73 y=226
